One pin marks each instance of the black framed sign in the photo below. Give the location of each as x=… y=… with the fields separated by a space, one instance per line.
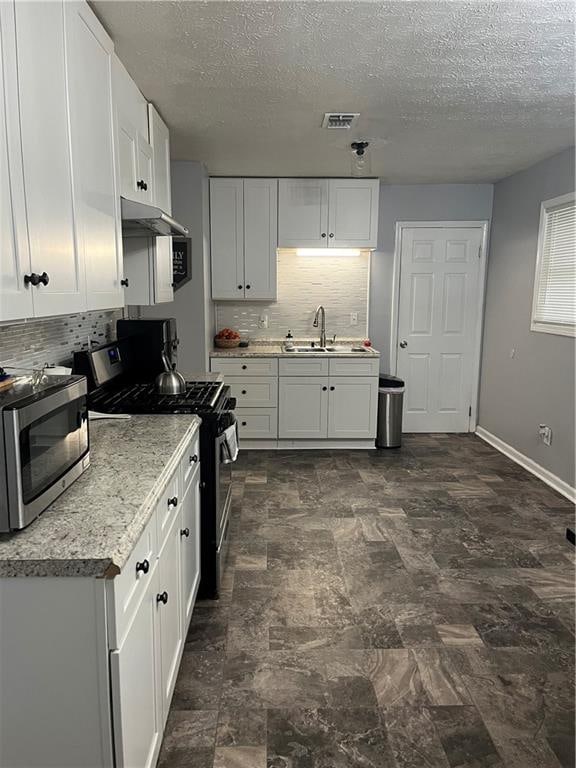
x=181 y=261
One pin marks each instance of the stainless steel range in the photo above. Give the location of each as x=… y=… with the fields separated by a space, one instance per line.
x=116 y=388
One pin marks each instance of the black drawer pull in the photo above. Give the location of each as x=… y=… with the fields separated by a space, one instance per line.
x=243 y=391
x=243 y=423
x=324 y=389
x=162 y=598
x=173 y=502
x=248 y=287
x=144 y=566
x=332 y=389
x=239 y=287
x=244 y=367
x=185 y=532
x=124 y=282
x=193 y=459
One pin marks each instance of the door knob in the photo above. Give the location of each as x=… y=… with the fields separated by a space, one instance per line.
x=403 y=344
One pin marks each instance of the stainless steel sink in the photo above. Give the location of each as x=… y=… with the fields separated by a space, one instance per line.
x=306 y=349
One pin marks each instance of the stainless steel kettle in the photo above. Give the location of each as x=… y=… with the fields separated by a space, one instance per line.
x=170 y=382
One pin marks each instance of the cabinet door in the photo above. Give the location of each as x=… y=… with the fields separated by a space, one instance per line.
x=190 y=548
x=46 y=157
x=131 y=125
x=127 y=157
x=169 y=614
x=353 y=213
x=227 y=238
x=302 y=213
x=15 y=296
x=162 y=270
x=303 y=407
x=353 y=407
x=135 y=684
x=260 y=237
x=145 y=173
x=96 y=204
x=160 y=141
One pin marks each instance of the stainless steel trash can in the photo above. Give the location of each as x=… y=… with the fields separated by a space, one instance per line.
x=390 y=401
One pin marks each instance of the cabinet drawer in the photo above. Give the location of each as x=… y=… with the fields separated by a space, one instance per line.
x=346 y=366
x=132 y=582
x=309 y=366
x=190 y=462
x=254 y=392
x=257 y=423
x=245 y=366
x=168 y=507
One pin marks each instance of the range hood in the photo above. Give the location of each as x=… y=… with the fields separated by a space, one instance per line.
x=143 y=220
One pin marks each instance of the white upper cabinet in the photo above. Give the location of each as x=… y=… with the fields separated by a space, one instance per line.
x=243 y=226
x=96 y=202
x=353 y=213
x=44 y=126
x=162 y=270
x=135 y=156
x=227 y=238
x=303 y=213
x=328 y=213
x=15 y=295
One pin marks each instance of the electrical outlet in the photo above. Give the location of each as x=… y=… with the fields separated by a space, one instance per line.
x=545 y=433
x=353 y=318
x=263 y=321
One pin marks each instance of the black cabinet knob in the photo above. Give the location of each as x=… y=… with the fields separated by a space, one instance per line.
x=162 y=598
x=31 y=279
x=332 y=389
x=239 y=287
x=243 y=423
x=173 y=502
x=142 y=185
x=331 y=234
x=324 y=389
x=323 y=234
x=248 y=287
x=144 y=566
x=44 y=278
x=124 y=282
x=244 y=367
x=185 y=532
x=243 y=391
x=193 y=459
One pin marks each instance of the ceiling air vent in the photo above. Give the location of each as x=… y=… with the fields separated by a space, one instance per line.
x=342 y=121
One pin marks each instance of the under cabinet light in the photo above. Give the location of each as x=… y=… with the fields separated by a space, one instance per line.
x=328 y=251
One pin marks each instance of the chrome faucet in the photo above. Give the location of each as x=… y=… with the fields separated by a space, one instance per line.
x=323 y=326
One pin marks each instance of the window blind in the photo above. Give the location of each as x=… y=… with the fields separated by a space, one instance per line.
x=555 y=290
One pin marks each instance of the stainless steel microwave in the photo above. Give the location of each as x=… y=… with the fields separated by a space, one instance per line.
x=44 y=445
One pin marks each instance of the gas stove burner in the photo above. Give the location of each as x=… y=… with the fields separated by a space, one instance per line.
x=143 y=398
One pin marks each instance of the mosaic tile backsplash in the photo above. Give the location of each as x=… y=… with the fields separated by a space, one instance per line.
x=340 y=283
x=31 y=343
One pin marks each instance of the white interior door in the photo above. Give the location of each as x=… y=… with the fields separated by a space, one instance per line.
x=439 y=284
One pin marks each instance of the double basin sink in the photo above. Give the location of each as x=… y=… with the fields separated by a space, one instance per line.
x=304 y=350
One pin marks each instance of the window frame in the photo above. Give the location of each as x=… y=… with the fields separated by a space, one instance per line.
x=557 y=329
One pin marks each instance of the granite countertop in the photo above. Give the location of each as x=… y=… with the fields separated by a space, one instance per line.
x=91 y=529
x=276 y=349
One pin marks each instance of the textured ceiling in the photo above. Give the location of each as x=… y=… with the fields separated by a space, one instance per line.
x=447 y=91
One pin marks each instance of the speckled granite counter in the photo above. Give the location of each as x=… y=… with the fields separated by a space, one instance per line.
x=276 y=350
x=92 y=528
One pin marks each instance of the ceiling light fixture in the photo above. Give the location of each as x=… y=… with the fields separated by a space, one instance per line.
x=360 y=160
x=328 y=251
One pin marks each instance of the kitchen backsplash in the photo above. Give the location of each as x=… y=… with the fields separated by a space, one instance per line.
x=31 y=343
x=340 y=283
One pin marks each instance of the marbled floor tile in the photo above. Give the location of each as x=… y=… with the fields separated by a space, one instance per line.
x=207 y=631
x=443 y=684
x=327 y=738
x=241 y=727
x=528 y=753
x=551 y=583
x=240 y=757
x=464 y=737
x=413 y=738
x=250 y=562
x=459 y=634
x=309 y=638
x=189 y=739
x=199 y=681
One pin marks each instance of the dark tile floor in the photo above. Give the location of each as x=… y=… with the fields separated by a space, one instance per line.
x=409 y=609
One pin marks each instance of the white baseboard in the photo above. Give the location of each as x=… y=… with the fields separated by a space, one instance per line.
x=306 y=445
x=529 y=464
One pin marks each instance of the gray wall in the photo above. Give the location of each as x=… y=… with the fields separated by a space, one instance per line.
x=413 y=202
x=191 y=306
x=537 y=385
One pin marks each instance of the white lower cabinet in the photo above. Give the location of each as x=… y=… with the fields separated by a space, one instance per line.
x=303 y=407
x=352 y=407
x=135 y=678
x=189 y=533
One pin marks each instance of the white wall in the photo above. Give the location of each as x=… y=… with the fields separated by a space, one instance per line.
x=413 y=202
x=191 y=306
x=536 y=386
